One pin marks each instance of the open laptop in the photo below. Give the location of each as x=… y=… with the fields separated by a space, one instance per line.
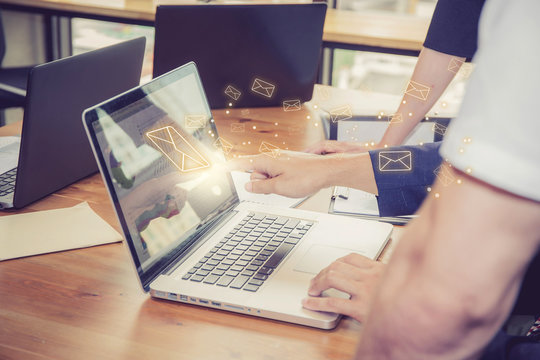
x=190 y=238
x=53 y=150
x=247 y=55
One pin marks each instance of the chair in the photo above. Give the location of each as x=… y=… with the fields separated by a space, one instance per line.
x=13 y=81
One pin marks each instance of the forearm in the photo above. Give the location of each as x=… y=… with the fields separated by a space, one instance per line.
x=431 y=71
x=443 y=296
x=354 y=171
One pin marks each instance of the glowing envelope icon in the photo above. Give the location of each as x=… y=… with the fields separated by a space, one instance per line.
x=224 y=145
x=269 y=149
x=232 y=92
x=177 y=149
x=263 y=88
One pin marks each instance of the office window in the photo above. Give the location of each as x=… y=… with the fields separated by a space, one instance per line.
x=92 y=34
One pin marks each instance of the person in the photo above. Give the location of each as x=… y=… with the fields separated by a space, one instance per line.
x=446 y=273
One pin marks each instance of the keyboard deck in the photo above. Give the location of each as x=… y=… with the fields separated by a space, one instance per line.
x=247 y=256
x=7 y=181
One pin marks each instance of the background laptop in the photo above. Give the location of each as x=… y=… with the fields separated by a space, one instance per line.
x=190 y=238
x=236 y=45
x=54 y=151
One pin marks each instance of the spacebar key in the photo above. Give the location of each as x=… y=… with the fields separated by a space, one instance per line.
x=279 y=255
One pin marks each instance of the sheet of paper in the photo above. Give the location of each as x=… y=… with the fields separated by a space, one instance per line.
x=9 y=152
x=358 y=202
x=49 y=231
x=241 y=178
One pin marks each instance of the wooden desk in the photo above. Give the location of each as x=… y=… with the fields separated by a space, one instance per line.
x=370 y=31
x=87 y=304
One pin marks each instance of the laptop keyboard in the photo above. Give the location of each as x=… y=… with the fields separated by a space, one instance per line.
x=247 y=256
x=7 y=181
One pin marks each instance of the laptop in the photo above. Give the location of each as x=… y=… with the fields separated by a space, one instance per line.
x=247 y=55
x=53 y=150
x=190 y=238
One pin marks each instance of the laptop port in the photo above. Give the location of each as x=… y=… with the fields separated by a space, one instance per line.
x=216 y=303
x=183 y=298
x=203 y=301
x=172 y=296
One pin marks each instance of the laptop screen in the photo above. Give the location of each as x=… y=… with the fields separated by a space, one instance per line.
x=162 y=159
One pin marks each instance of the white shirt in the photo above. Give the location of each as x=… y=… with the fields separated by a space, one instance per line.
x=497 y=133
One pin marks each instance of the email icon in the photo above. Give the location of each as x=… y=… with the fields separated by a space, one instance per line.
x=224 y=145
x=232 y=92
x=238 y=127
x=396 y=118
x=439 y=129
x=177 y=149
x=341 y=113
x=454 y=65
x=292 y=105
x=269 y=149
x=195 y=121
x=263 y=88
x=444 y=175
x=395 y=161
x=417 y=90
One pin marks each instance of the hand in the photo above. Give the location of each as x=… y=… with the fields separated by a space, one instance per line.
x=291 y=174
x=353 y=274
x=333 y=146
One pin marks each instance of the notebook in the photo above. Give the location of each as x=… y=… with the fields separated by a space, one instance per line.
x=54 y=151
x=190 y=238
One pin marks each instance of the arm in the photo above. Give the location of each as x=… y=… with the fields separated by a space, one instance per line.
x=440 y=276
x=431 y=71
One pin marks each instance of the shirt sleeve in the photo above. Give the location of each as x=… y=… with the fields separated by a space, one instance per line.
x=454 y=27
x=495 y=136
x=402 y=192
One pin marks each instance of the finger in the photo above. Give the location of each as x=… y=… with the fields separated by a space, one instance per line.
x=262 y=186
x=258 y=176
x=337 y=279
x=359 y=261
x=317 y=148
x=332 y=304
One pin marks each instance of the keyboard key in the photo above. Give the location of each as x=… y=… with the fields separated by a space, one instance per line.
x=203 y=272
x=232 y=273
x=257 y=262
x=265 y=270
x=252 y=268
x=186 y=277
x=211 y=279
x=291 y=224
x=225 y=280
x=260 y=276
x=239 y=282
x=279 y=255
x=218 y=272
x=237 y=268
x=291 y=240
x=249 y=273
x=207 y=267
x=250 y=287
x=197 y=278
x=256 y=282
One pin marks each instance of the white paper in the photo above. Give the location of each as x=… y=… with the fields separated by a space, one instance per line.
x=241 y=178
x=368 y=131
x=49 y=231
x=358 y=202
x=9 y=152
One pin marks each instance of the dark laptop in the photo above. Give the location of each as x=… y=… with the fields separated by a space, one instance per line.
x=247 y=55
x=54 y=150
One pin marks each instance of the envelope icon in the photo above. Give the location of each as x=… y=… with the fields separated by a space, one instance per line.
x=232 y=92
x=269 y=149
x=444 y=175
x=238 y=127
x=439 y=129
x=322 y=92
x=341 y=113
x=177 y=149
x=395 y=160
x=195 y=121
x=292 y=105
x=417 y=90
x=224 y=145
x=396 y=118
x=454 y=65
x=263 y=88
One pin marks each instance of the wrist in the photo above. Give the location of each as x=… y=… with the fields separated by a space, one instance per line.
x=355 y=171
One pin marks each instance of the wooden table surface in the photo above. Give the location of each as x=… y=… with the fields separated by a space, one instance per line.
x=366 y=28
x=87 y=304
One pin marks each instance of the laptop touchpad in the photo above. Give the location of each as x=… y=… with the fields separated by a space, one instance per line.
x=320 y=256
